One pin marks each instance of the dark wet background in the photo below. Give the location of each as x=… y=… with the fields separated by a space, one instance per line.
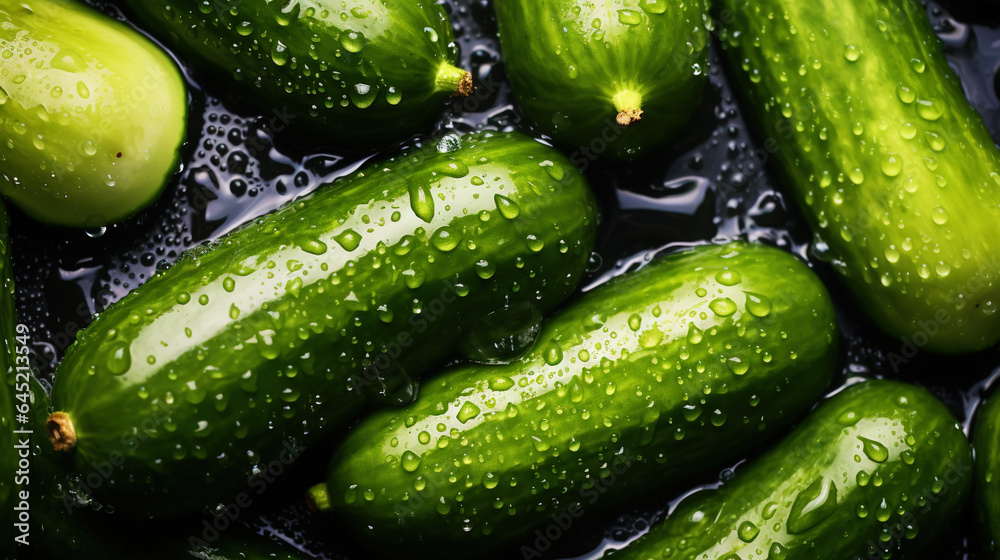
x=240 y=163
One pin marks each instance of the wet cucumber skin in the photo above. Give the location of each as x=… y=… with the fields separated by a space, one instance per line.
x=640 y=377
x=93 y=114
x=281 y=331
x=361 y=72
x=568 y=59
x=891 y=166
x=986 y=441
x=824 y=492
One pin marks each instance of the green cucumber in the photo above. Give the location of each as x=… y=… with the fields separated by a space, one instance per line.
x=12 y=383
x=613 y=79
x=66 y=525
x=880 y=467
x=363 y=72
x=93 y=114
x=277 y=333
x=893 y=169
x=986 y=441
x=662 y=372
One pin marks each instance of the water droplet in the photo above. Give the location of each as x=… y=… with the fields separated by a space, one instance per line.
x=82 y=90
x=939 y=215
x=363 y=95
x=655 y=7
x=748 y=532
x=892 y=165
x=778 y=552
x=874 y=450
x=728 y=277
x=884 y=512
x=490 y=481
x=449 y=143
x=634 y=322
x=446 y=239
x=723 y=307
x=507 y=207
x=468 y=412
x=119 y=359
x=485 y=269
x=738 y=366
x=352 y=41
x=930 y=109
x=279 y=53
x=228 y=284
x=935 y=141
x=629 y=17
x=918 y=65
x=758 y=305
x=421 y=201
x=891 y=254
x=393 y=96
x=540 y=445
x=410 y=461
x=905 y=94
x=812 y=505
x=852 y=53
x=695 y=334
x=348 y=239
x=856 y=175
x=314 y=247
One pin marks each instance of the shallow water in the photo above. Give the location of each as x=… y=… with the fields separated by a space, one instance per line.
x=707 y=185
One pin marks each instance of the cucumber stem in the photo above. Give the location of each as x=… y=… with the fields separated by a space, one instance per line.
x=318 y=498
x=60 y=430
x=453 y=79
x=629 y=106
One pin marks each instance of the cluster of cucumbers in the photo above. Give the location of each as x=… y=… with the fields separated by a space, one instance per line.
x=419 y=323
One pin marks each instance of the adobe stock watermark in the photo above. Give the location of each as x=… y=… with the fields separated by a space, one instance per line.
x=382 y=363
x=929 y=328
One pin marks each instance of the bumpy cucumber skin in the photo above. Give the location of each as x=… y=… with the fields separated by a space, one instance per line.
x=269 y=336
x=488 y=453
x=898 y=503
x=302 y=58
x=93 y=114
x=986 y=441
x=892 y=168
x=8 y=454
x=568 y=59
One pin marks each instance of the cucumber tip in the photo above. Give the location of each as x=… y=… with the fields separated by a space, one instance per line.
x=318 y=498
x=60 y=430
x=465 y=87
x=629 y=117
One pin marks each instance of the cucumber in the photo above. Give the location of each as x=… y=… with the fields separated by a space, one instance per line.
x=11 y=380
x=278 y=333
x=66 y=525
x=659 y=374
x=93 y=114
x=986 y=441
x=608 y=78
x=893 y=169
x=879 y=468
x=362 y=72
